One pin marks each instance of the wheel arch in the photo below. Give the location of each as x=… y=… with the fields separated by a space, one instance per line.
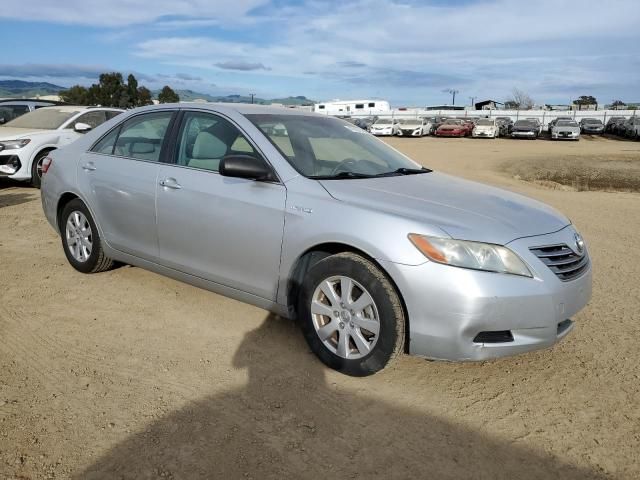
x=40 y=150
x=318 y=252
x=65 y=198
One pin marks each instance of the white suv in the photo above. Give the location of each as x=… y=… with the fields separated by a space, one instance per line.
x=26 y=140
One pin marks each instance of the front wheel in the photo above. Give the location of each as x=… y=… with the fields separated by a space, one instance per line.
x=351 y=315
x=36 y=169
x=80 y=239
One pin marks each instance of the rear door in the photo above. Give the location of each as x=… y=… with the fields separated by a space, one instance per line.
x=118 y=177
x=226 y=230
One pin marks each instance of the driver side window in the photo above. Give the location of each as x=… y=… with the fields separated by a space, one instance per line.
x=204 y=139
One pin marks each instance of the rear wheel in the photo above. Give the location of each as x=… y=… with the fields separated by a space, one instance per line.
x=351 y=315
x=80 y=239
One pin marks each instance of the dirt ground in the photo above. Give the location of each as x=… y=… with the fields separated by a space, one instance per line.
x=129 y=375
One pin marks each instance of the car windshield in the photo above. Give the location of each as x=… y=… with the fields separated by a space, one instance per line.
x=49 y=118
x=453 y=121
x=592 y=120
x=524 y=123
x=485 y=122
x=328 y=148
x=566 y=123
x=408 y=121
x=383 y=122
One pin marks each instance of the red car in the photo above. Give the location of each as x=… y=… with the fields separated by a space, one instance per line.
x=454 y=128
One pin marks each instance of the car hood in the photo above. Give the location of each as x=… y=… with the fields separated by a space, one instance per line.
x=380 y=127
x=483 y=128
x=463 y=209
x=8 y=133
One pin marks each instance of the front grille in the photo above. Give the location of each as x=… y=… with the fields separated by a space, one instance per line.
x=562 y=261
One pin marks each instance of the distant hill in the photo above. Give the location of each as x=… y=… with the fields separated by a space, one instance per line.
x=190 y=95
x=22 y=89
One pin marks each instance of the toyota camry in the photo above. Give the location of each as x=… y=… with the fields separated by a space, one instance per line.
x=317 y=220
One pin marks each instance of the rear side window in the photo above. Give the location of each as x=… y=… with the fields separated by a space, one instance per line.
x=139 y=137
x=93 y=119
x=111 y=114
x=106 y=144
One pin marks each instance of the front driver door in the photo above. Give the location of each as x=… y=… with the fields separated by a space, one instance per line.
x=226 y=230
x=119 y=178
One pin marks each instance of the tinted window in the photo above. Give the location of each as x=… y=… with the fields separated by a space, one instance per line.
x=9 y=112
x=93 y=119
x=359 y=105
x=371 y=105
x=204 y=139
x=141 y=136
x=111 y=114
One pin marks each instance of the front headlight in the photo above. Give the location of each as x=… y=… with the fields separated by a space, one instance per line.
x=14 y=144
x=473 y=255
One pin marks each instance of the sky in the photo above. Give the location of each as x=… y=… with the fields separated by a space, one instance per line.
x=409 y=52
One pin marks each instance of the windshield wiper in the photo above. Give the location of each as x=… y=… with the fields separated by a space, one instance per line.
x=341 y=175
x=405 y=171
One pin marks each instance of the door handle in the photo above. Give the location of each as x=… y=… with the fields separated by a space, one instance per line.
x=170 y=183
x=89 y=167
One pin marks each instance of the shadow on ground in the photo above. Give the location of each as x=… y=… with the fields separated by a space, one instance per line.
x=290 y=423
x=15 y=193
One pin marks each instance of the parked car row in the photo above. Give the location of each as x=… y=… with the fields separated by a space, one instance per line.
x=27 y=139
x=624 y=127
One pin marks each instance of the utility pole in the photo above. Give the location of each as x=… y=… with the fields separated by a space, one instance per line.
x=252 y=95
x=453 y=93
x=473 y=102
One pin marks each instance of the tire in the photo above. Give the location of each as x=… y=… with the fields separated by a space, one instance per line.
x=84 y=259
x=36 y=169
x=367 y=351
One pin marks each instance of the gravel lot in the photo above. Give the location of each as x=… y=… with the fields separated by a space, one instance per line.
x=129 y=375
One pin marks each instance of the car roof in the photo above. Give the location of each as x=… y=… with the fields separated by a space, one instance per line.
x=78 y=108
x=241 y=108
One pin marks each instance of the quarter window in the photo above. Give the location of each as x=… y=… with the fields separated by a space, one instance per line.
x=205 y=139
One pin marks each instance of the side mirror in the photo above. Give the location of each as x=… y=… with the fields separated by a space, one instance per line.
x=81 y=127
x=245 y=166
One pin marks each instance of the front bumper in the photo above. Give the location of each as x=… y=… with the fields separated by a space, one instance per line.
x=15 y=164
x=527 y=134
x=449 y=307
x=483 y=134
x=9 y=164
x=565 y=136
x=410 y=133
x=450 y=133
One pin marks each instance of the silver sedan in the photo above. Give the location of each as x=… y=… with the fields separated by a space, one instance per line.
x=313 y=218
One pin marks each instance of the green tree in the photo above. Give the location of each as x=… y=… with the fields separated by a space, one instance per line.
x=76 y=95
x=132 y=90
x=144 y=97
x=585 y=100
x=617 y=104
x=113 y=92
x=167 y=95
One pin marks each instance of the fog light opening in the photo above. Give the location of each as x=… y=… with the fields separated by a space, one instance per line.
x=496 y=336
